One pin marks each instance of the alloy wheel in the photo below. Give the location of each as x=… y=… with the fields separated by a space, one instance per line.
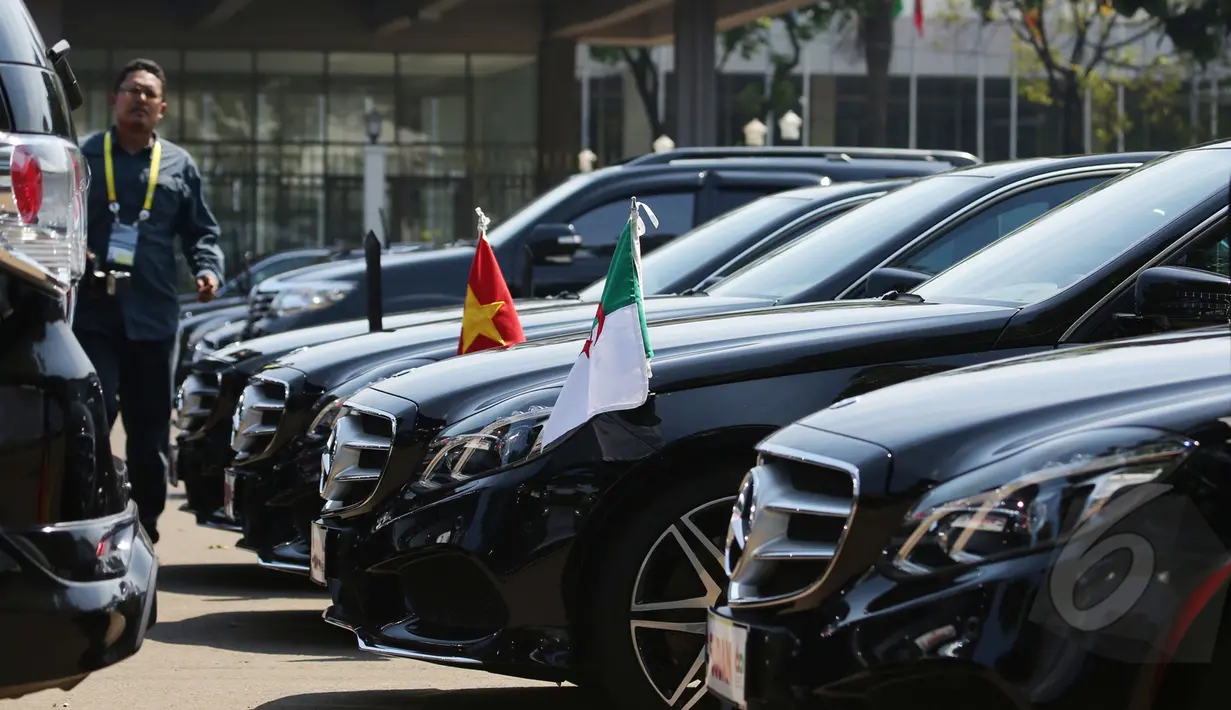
x=679 y=579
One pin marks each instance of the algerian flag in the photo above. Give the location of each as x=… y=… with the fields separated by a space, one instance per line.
x=613 y=370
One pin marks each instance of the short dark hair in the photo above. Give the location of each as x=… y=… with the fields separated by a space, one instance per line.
x=137 y=65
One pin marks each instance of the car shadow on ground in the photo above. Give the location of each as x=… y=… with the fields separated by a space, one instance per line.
x=288 y=632
x=540 y=698
x=237 y=581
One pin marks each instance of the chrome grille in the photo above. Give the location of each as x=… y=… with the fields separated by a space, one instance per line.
x=259 y=304
x=787 y=525
x=195 y=400
x=355 y=454
x=257 y=416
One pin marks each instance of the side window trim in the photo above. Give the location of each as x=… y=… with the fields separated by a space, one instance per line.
x=1219 y=220
x=906 y=259
x=989 y=200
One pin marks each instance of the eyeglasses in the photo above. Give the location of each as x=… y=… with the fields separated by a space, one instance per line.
x=142 y=92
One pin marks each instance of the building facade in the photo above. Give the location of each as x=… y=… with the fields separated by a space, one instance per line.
x=487 y=102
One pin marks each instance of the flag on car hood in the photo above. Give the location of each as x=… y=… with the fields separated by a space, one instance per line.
x=612 y=372
x=489 y=319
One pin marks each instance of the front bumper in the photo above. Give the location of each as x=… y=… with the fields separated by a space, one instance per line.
x=471 y=579
x=987 y=639
x=201 y=464
x=61 y=619
x=275 y=506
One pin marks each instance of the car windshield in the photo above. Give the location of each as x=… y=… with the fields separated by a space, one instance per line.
x=842 y=241
x=1069 y=243
x=661 y=267
x=533 y=211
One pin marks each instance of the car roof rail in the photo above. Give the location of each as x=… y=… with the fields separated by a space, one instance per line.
x=956 y=158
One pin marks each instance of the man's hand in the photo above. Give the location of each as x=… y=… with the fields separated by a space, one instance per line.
x=207 y=286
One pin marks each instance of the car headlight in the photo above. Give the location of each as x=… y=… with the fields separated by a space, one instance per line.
x=503 y=435
x=1034 y=500
x=300 y=299
x=324 y=420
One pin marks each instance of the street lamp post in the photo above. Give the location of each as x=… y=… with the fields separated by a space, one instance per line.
x=373 y=174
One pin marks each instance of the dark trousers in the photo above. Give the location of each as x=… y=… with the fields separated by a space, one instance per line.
x=141 y=373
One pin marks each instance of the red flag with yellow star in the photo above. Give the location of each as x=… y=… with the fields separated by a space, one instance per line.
x=489 y=319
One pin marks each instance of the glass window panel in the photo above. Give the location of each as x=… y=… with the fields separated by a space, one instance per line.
x=291 y=108
x=290 y=63
x=219 y=97
x=431 y=99
x=359 y=83
x=505 y=93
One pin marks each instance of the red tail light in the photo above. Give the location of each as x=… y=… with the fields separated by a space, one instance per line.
x=27 y=178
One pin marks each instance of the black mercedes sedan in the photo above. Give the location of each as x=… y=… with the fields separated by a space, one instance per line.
x=208 y=398
x=280 y=429
x=271 y=489
x=77 y=570
x=448 y=535
x=1043 y=532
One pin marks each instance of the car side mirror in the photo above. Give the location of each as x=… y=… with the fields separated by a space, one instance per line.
x=1179 y=297
x=883 y=280
x=553 y=244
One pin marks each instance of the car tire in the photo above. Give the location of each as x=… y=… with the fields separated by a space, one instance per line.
x=661 y=570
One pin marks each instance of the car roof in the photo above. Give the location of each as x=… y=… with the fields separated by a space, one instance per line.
x=844 y=153
x=1033 y=166
x=841 y=190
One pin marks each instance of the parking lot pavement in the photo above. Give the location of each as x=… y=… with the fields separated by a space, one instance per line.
x=233 y=635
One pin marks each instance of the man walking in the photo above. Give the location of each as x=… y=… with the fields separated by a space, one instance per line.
x=144 y=193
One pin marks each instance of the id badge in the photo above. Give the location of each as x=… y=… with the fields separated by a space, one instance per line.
x=122 y=248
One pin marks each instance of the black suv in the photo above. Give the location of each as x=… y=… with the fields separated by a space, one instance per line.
x=76 y=570
x=563 y=240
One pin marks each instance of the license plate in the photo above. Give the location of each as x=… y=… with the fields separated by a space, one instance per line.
x=727 y=665
x=316 y=561
x=228 y=495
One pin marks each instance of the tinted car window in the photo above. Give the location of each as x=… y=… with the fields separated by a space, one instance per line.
x=1211 y=253
x=842 y=241
x=601 y=226
x=283 y=265
x=725 y=232
x=1066 y=245
x=993 y=223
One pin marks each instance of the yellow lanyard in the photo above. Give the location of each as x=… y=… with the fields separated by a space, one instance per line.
x=155 y=163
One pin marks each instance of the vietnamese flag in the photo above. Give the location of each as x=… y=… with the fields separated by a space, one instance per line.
x=489 y=319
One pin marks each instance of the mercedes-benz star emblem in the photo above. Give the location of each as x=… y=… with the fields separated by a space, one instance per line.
x=743 y=512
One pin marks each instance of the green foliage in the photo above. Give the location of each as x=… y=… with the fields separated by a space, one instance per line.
x=1155 y=88
x=1196 y=27
x=1064 y=46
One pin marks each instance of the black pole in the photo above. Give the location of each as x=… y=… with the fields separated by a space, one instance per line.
x=371 y=256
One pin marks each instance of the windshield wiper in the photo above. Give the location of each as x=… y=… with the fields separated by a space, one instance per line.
x=694 y=291
x=899 y=296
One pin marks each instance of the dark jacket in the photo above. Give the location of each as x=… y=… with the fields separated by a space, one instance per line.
x=146 y=306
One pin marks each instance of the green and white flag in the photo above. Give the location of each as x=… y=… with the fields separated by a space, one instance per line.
x=613 y=370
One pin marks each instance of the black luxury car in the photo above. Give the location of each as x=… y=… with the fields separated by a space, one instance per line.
x=447 y=535
x=1052 y=534
x=719 y=246
x=77 y=572
x=281 y=428
x=563 y=240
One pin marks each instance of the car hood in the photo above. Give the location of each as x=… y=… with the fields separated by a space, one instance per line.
x=256 y=353
x=330 y=364
x=191 y=308
x=356 y=269
x=711 y=350
x=232 y=312
x=940 y=426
